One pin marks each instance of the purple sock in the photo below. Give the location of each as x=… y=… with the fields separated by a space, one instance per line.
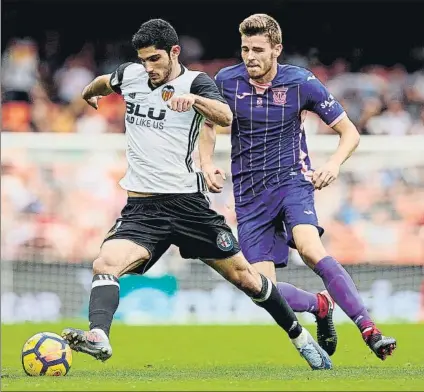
x=344 y=292
x=299 y=300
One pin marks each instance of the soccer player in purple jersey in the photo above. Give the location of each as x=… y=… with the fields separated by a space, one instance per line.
x=272 y=176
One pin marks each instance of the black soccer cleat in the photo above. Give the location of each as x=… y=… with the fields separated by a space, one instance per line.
x=326 y=332
x=381 y=345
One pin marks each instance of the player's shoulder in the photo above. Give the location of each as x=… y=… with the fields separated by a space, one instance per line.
x=129 y=77
x=131 y=70
x=293 y=74
x=127 y=73
x=231 y=72
x=192 y=74
x=192 y=77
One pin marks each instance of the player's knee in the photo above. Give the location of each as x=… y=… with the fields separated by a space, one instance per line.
x=247 y=281
x=311 y=253
x=309 y=244
x=107 y=265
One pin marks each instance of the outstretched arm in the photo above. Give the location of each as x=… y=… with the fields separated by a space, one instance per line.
x=98 y=88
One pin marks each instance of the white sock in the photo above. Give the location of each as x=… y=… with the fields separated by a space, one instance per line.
x=302 y=339
x=100 y=332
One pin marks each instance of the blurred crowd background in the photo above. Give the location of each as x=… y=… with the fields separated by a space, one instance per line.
x=58 y=205
x=46 y=64
x=41 y=93
x=53 y=201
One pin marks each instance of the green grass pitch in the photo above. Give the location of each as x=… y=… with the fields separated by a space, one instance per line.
x=219 y=358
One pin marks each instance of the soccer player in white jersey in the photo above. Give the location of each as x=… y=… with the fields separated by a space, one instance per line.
x=166 y=107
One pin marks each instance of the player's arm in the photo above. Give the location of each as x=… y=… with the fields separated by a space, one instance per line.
x=207 y=139
x=209 y=101
x=104 y=85
x=318 y=99
x=98 y=88
x=349 y=140
x=216 y=111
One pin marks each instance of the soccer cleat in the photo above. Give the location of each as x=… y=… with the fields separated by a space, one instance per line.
x=94 y=342
x=309 y=349
x=326 y=332
x=382 y=346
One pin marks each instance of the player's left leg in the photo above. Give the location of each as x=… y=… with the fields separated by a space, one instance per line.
x=263 y=243
x=265 y=294
x=304 y=234
x=200 y=232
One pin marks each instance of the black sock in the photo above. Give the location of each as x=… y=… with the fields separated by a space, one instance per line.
x=104 y=301
x=270 y=299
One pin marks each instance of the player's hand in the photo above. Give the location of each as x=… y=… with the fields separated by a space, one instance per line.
x=212 y=174
x=94 y=101
x=181 y=103
x=325 y=175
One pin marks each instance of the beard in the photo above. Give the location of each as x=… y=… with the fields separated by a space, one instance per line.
x=259 y=73
x=166 y=74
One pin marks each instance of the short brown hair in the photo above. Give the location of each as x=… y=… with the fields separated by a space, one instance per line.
x=262 y=24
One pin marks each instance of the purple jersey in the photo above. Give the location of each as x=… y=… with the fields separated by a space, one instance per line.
x=268 y=139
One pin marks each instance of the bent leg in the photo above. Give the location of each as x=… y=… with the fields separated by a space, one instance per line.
x=116 y=257
x=262 y=291
x=298 y=299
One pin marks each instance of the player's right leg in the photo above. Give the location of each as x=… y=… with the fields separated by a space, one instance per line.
x=134 y=244
x=264 y=246
x=201 y=233
x=116 y=258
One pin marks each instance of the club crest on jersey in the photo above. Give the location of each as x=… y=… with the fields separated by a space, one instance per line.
x=279 y=95
x=224 y=241
x=167 y=92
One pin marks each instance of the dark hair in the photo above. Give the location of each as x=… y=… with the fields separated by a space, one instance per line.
x=155 y=32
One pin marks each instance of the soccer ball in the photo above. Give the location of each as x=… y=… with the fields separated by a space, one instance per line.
x=46 y=354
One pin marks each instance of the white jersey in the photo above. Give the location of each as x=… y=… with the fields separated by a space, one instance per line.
x=160 y=141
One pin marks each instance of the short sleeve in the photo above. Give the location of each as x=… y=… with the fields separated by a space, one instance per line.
x=205 y=86
x=117 y=78
x=319 y=100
